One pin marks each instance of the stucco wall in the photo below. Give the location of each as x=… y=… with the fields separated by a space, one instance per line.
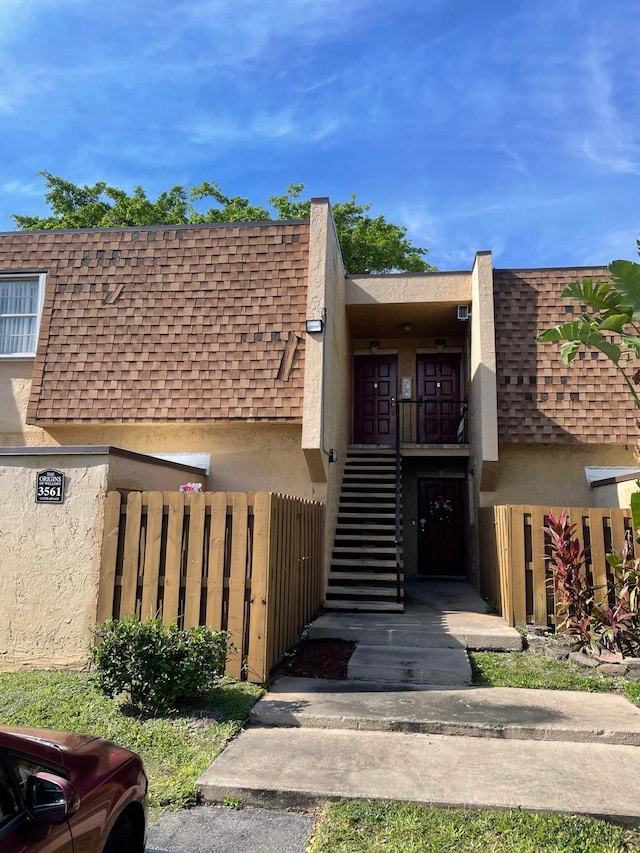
x=483 y=396
x=551 y=475
x=244 y=457
x=49 y=561
x=327 y=387
x=15 y=386
x=128 y=473
x=614 y=494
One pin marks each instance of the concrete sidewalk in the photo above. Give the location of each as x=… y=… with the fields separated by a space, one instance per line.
x=489 y=712
x=297 y=768
x=401 y=738
x=473 y=747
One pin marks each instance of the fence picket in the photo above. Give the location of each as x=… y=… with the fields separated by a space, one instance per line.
x=598 y=559
x=195 y=552
x=109 y=556
x=237 y=582
x=539 y=566
x=173 y=560
x=518 y=565
x=217 y=550
x=257 y=659
x=131 y=560
x=154 y=502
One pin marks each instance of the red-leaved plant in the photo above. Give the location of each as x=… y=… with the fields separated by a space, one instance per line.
x=594 y=625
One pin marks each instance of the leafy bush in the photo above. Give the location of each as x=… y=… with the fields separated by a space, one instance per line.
x=159 y=667
x=609 y=622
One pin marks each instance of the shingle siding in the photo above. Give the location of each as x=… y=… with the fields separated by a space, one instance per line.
x=167 y=324
x=539 y=398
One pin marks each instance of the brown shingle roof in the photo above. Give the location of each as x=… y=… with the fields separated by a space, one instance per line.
x=539 y=398
x=167 y=324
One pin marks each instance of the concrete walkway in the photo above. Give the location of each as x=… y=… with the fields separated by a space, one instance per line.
x=400 y=737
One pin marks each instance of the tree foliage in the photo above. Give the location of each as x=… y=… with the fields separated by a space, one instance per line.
x=368 y=244
x=609 y=321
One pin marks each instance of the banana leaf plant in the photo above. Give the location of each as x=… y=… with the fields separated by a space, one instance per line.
x=610 y=323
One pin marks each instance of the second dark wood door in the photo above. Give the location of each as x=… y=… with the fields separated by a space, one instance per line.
x=439 y=396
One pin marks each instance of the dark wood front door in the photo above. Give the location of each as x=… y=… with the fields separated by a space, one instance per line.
x=375 y=382
x=441 y=528
x=439 y=408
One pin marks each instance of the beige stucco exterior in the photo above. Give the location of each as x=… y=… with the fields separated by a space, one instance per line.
x=327 y=388
x=244 y=456
x=614 y=494
x=551 y=475
x=49 y=561
x=483 y=396
x=15 y=387
x=50 y=553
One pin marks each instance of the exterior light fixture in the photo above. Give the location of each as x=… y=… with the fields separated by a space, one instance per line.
x=374 y=345
x=333 y=455
x=441 y=344
x=407 y=327
x=314 y=326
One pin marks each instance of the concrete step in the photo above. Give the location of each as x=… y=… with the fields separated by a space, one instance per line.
x=300 y=768
x=364 y=606
x=369 y=473
x=361 y=591
x=421 y=629
x=364 y=576
x=377 y=528
x=383 y=544
x=409 y=665
x=492 y=712
x=369 y=560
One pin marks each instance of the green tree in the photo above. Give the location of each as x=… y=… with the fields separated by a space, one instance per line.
x=368 y=244
x=609 y=321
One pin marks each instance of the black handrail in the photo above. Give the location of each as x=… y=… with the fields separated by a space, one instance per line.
x=428 y=420
x=398 y=500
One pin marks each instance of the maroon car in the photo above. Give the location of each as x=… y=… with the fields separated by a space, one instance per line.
x=66 y=792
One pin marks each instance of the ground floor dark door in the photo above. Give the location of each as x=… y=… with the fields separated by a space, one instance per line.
x=441 y=527
x=375 y=383
x=438 y=385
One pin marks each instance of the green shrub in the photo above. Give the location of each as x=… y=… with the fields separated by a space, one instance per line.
x=159 y=667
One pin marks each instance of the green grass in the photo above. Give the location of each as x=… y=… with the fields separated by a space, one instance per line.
x=175 y=748
x=368 y=827
x=515 y=669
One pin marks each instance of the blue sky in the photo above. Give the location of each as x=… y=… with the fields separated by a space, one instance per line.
x=510 y=125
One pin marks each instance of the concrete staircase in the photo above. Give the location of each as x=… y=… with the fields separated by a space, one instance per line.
x=365 y=563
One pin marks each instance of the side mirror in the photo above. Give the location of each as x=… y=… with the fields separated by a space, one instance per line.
x=50 y=798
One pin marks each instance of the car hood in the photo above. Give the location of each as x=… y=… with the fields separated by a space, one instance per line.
x=87 y=760
x=46 y=738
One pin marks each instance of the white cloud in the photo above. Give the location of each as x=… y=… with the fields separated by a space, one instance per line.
x=609 y=140
x=278 y=125
x=21 y=188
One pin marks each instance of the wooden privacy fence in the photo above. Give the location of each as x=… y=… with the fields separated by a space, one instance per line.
x=249 y=563
x=513 y=551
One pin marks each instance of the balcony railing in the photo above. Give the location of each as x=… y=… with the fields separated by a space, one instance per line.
x=431 y=421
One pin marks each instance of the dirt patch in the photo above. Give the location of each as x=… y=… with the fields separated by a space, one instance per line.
x=318 y=659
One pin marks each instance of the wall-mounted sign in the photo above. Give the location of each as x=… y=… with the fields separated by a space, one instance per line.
x=49 y=487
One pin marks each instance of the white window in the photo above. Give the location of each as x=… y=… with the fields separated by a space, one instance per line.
x=21 y=298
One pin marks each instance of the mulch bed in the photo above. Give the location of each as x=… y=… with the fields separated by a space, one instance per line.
x=318 y=659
